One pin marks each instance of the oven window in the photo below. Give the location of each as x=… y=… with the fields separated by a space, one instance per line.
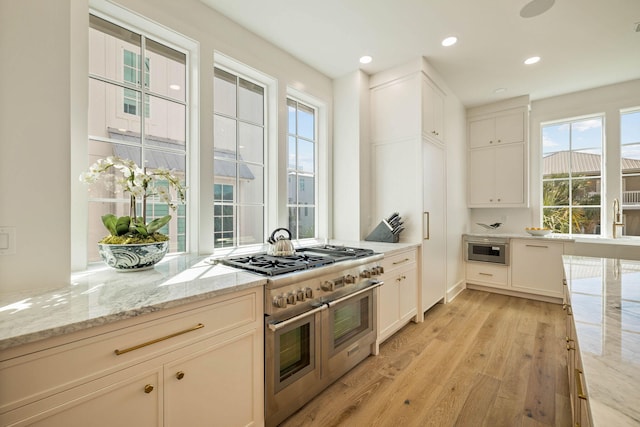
x=295 y=350
x=349 y=320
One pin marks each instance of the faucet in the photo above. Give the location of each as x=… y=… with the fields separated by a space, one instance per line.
x=617 y=219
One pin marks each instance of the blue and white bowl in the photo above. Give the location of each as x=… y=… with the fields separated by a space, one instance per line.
x=133 y=257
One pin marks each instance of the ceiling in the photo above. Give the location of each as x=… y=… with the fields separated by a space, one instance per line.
x=582 y=43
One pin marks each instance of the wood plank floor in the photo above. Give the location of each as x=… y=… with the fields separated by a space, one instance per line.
x=482 y=360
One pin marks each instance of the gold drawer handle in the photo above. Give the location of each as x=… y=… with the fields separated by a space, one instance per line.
x=486 y=274
x=148 y=388
x=401 y=278
x=579 y=386
x=135 y=347
x=400 y=262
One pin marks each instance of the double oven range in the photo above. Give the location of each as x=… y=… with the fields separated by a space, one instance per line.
x=320 y=320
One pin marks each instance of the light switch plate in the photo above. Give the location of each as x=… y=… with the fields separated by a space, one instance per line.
x=7 y=240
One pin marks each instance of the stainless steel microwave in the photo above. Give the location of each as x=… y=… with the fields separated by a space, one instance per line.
x=487 y=249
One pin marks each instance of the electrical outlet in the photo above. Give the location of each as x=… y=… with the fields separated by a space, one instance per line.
x=7 y=240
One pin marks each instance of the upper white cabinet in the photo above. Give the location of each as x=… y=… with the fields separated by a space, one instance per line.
x=502 y=129
x=432 y=110
x=498 y=159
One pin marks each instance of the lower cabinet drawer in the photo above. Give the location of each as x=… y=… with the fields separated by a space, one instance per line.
x=487 y=273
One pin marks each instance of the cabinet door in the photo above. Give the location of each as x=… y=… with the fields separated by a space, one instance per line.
x=131 y=398
x=388 y=305
x=432 y=111
x=408 y=291
x=536 y=266
x=434 y=242
x=481 y=176
x=509 y=129
x=509 y=174
x=216 y=385
x=481 y=133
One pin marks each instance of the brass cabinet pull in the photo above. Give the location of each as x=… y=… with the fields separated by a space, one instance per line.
x=144 y=344
x=486 y=274
x=568 y=339
x=179 y=375
x=537 y=246
x=148 y=388
x=401 y=278
x=580 y=391
x=400 y=262
x=569 y=348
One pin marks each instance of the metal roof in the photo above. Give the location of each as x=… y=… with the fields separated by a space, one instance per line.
x=561 y=162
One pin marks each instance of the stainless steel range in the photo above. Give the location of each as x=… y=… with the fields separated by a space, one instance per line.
x=320 y=320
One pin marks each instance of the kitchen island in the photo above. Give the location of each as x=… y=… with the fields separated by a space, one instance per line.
x=603 y=297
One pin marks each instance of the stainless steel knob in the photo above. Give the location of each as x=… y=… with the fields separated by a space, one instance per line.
x=300 y=295
x=349 y=278
x=308 y=292
x=291 y=298
x=365 y=274
x=328 y=285
x=279 y=301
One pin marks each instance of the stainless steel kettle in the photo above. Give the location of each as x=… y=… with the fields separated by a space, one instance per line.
x=281 y=245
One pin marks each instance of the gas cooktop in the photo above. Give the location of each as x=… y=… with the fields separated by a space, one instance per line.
x=302 y=259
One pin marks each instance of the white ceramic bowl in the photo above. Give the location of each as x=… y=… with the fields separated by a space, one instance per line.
x=538 y=232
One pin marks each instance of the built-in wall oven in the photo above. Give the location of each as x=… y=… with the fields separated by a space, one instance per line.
x=319 y=323
x=487 y=249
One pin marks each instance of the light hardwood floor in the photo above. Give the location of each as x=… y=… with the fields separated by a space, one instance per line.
x=482 y=360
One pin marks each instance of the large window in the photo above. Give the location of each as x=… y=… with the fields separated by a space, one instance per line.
x=239 y=160
x=630 y=167
x=301 y=169
x=118 y=82
x=572 y=175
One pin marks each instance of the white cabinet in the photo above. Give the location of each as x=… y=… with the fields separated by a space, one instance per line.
x=487 y=274
x=580 y=405
x=432 y=110
x=409 y=168
x=496 y=176
x=184 y=366
x=397 y=298
x=500 y=129
x=536 y=267
x=497 y=159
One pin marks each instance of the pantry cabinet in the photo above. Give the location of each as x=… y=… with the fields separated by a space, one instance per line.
x=397 y=298
x=194 y=365
x=497 y=158
x=409 y=167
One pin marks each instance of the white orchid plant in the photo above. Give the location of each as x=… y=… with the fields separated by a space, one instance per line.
x=140 y=183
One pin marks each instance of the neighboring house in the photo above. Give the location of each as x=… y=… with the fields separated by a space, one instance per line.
x=587 y=164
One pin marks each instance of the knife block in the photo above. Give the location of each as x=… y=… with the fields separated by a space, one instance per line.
x=382 y=233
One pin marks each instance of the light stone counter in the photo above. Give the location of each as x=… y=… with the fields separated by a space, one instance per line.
x=549 y=237
x=605 y=300
x=102 y=295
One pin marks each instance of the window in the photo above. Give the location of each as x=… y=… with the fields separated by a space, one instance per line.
x=630 y=167
x=239 y=160
x=131 y=70
x=572 y=175
x=116 y=126
x=301 y=169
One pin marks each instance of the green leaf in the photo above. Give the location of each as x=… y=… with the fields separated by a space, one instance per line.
x=157 y=224
x=122 y=225
x=109 y=221
x=142 y=230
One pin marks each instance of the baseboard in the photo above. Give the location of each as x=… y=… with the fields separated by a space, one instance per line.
x=455 y=290
x=509 y=292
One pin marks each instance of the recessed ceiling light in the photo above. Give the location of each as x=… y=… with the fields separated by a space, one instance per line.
x=449 y=41
x=532 y=60
x=366 y=59
x=535 y=8
x=500 y=90
x=174 y=87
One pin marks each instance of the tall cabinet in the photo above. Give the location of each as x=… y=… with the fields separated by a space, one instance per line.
x=409 y=167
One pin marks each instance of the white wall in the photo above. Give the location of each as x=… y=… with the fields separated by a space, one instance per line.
x=43 y=45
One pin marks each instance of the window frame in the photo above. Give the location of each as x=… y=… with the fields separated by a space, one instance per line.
x=570 y=178
x=120 y=16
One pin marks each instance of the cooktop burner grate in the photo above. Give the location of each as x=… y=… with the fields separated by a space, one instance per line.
x=274 y=265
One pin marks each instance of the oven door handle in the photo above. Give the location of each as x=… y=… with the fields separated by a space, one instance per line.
x=374 y=284
x=275 y=326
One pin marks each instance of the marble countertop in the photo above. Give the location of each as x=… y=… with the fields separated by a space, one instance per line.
x=605 y=300
x=552 y=236
x=102 y=295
